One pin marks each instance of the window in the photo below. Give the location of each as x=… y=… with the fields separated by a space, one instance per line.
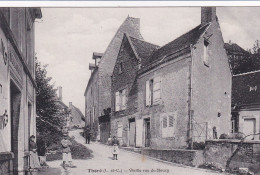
x=253 y=88
x=167 y=125
x=120 y=67
x=121 y=100
x=153 y=91
x=205 y=54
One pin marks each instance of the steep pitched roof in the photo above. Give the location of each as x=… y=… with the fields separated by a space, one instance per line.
x=179 y=43
x=143 y=49
x=233 y=47
x=79 y=112
x=245 y=89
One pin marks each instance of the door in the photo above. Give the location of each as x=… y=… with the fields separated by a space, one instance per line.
x=132 y=133
x=139 y=133
x=147 y=133
x=15 y=103
x=249 y=128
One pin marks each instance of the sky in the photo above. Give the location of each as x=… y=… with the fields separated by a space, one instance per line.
x=67 y=37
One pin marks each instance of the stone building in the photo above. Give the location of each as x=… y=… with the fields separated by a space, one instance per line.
x=246 y=104
x=124 y=92
x=98 y=90
x=183 y=90
x=17 y=86
x=76 y=117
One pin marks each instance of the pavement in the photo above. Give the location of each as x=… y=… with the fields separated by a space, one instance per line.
x=129 y=163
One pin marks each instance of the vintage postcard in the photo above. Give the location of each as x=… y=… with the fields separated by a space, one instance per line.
x=131 y=89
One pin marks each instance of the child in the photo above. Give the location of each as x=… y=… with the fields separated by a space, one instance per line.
x=66 y=151
x=34 y=160
x=115 y=149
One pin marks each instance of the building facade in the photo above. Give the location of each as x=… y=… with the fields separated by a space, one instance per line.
x=124 y=92
x=183 y=90
x=246 y=104
x=17 y=86
x=98 y=91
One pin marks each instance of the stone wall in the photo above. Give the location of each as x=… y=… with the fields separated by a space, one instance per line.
x=219 y=151
x=186 y=157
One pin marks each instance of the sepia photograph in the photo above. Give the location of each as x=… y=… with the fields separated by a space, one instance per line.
x=131 y=90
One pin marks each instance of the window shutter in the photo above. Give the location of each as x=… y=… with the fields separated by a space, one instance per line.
x=171 y=125
x=117 y=101
x=164 y=126
x=124 y=99
x=147 y=93
x=119 y=130
x=157 y=90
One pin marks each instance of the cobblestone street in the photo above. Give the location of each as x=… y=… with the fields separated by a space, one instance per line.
x=127 y=163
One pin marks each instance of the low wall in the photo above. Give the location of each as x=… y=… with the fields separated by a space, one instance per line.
x=219 y=151
x=186 y=157
x=6 y=163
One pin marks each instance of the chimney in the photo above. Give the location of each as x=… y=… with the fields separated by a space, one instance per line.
x=70 y=104
x=60 y=92
x=208 y=14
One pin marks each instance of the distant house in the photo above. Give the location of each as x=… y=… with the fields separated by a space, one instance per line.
x=76 y=118
x=246 y=104
x=98 y=90
x=173 y=95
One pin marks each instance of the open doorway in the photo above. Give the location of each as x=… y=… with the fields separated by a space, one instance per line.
x=147 y=132
x=15 y=102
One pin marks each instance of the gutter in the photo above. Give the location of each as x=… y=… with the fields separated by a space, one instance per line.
x=190 y=112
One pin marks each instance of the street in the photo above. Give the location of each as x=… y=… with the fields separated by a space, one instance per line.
x=127 y=163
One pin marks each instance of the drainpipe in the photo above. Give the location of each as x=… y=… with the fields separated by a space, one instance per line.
x=190 y=112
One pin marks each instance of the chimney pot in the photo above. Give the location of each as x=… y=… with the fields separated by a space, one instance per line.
x=208 y=14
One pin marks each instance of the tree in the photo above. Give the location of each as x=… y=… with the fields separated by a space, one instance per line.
x=246 y=61
x=50 y=115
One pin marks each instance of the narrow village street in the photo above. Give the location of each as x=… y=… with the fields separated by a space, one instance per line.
x=131 y=163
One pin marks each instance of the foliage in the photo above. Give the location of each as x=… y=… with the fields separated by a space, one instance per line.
x=248 y=61
x=50 y=114
x=78 y=151
x=199 y=145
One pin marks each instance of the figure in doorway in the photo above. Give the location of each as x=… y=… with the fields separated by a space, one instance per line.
x=115 y=149
x=34 y=160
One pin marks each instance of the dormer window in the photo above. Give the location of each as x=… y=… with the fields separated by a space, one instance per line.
x=205 y=53
x=120 y=67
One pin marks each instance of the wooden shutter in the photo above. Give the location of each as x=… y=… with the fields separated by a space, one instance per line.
x=117 y=101
x=164 y=125
x=170 y=131
x=157 y=90
x=139 y=133
x=119 y=130
x=124 y=99
x=147 y=93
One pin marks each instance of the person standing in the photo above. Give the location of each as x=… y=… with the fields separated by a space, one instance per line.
x=66 y=151
x=87 y=135
x=34 y=160
x=115 y=149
